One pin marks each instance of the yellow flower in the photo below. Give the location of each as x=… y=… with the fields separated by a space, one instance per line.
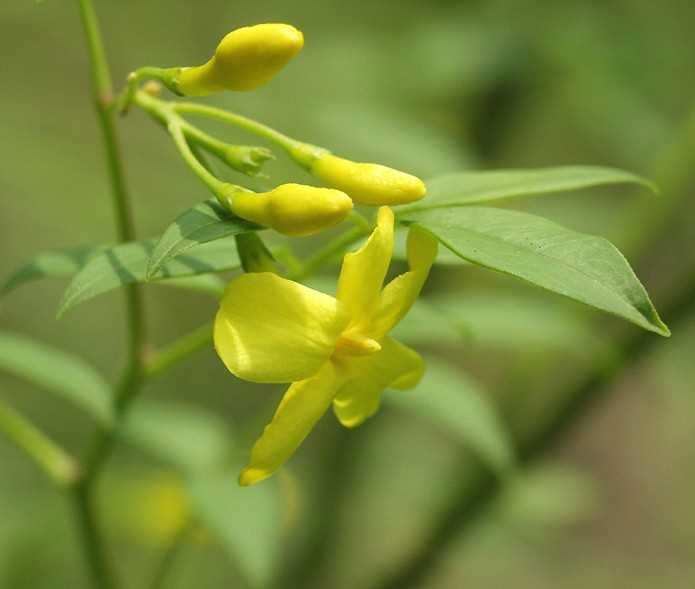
x=291 y=209
x=333 y=350
x=245 y=59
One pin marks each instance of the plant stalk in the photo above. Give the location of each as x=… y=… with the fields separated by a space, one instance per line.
x=92 y=539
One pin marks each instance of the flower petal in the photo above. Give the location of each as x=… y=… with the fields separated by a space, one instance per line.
x=400 y=294
x=302 y=406
x=395 y=366
x=269 y=329
x=363 y=271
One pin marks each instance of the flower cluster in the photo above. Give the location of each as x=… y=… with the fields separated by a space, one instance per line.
x=333 y=351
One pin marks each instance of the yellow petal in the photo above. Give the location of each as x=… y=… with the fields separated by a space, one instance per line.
x=369 y=184
x=363 y=271
x=245 y=59
x=269 y=329
x=293 y=209
x=302 y=406
x=395 y=366
x=400 y=294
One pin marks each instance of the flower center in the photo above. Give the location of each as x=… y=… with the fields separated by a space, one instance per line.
x=352 y=343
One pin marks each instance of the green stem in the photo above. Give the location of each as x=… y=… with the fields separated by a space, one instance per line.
x=330 y=251
x=92 y=542
x=51 y=458
x=92 y=539
x=180 y=349
x=166 y=76
x=283 y=141
x=215 y=185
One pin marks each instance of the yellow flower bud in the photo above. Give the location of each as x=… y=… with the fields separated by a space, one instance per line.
x=245 y=59
x=369 y=184
x=292 y=209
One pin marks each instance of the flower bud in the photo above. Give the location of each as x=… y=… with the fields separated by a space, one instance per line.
x=247 y=160
x=369 y=184
x=245 y=59
x=293 y=209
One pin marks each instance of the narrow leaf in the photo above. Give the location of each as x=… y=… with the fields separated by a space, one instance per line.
x=126 y=264
x=454 y=402
x=53 y=263
x=205 y=222
x=246 y=520
x=182 y=435
x=58 y=372
x=583 y=267
x=468 y=188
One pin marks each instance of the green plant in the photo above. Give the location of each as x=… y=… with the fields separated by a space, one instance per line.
x=224 y=233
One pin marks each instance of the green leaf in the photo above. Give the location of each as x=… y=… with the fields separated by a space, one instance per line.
x=57 y=371
x=126 y=264
x=205 y=222
x=468 y=188
x=454 y=402
x=183 y=435
x=53 y=263
x=246 y=520
x=583 y=267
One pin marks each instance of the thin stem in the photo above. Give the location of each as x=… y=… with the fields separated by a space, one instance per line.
x=212 y=182
x=283 y=141
x=330 y=251
x=93 y=543
x=51 y=458
x=180 y=349
x=164 y=113
x=166 y=76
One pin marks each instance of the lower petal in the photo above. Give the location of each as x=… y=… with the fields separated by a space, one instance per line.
x=395 y=366
x=302 y=406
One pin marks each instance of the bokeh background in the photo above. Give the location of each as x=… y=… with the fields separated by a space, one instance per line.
x=430 y=87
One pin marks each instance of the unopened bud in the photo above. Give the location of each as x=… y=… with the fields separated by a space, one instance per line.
x=292 y=209
x=245 y=59
x=369 y=184
x=248 y=160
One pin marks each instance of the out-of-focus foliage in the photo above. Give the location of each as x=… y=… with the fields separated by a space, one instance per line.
x=432 y=88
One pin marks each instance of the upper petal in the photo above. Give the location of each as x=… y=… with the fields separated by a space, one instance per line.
x=302 y=406
x=269 y=329
x=363 y=271
x=395 y=366
x=400 y=294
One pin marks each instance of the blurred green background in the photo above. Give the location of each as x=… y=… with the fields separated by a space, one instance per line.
x=430 y=87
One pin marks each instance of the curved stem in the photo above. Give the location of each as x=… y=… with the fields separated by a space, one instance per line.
x=129 y=385
x=279 y=139
x=179 y=350
x=329 y=251
x=215 y=185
